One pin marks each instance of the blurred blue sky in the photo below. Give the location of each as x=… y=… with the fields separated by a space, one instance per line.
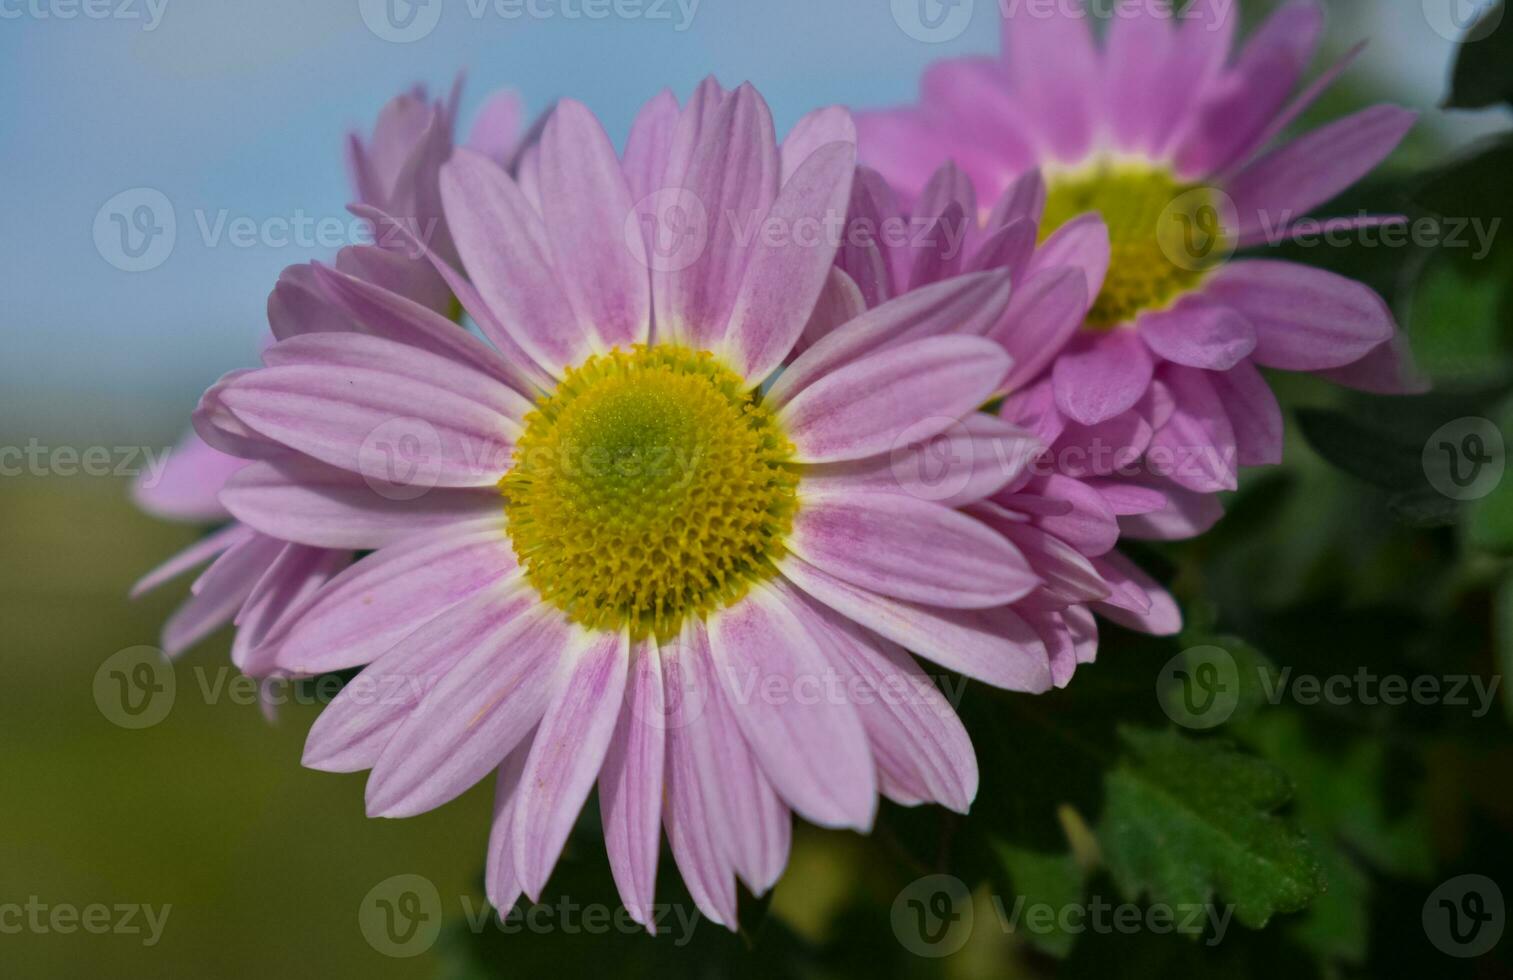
x=239 y=108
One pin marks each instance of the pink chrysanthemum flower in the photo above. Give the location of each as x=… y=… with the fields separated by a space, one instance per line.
x=1155 y=151
x=696 y=589
x=396 y=171
x=1148 y=484
x=1066 y=509
x=255 y=579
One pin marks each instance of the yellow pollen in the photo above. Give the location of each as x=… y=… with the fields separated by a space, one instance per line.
x=1164 y=235
x=650 y=486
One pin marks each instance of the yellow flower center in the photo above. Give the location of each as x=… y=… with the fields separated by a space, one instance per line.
x=1164 y=234
x=650 y=486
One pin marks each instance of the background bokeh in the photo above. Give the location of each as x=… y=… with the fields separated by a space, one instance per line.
x=238 y=109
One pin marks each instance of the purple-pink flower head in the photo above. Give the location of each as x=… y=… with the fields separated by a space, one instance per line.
x=1148 y=159
x=613 y=549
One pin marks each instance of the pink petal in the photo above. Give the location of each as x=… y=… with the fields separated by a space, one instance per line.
x=392 y=317
x=297 y=306
x=222 y=431
x=1043 y=316
x=1312 y=169
x=865 y=253
x=1101 y=375
x=399 y=270
x=509 y=258
x=978 y=122
x=1254 y=413
x=1235 y=115
x=604 y=272
x=814 y=132
x=1090 y=525
x=1306 y=319
x=967 y=304
x=725 y=183
x=749 y=823
x=1387 y=370
x=1137 y=603
x=1055 y=70
x=969 y=461
x=1099 y=450
x=1193 y=66
x=915 y=390
x=567 y=752
x=209 y=547
x=921 y=748
x=500 y=880
x=1066 y=573
x=630 y=786
x=218 y=595
x=691 y=804
x=294 y=576
x=898 y=546
x=1081 y=243
x=411 y=434
x=649 y=143
x=991 y=645
x=901 y=145
x=497 y=127
x=1196 y=447
x=1138 y=45
x=467 y=295
x=1183 y=514
x=784 y=277
x=1199 y=334
x=473 y=717
x=189 y=484
x=1010 y=247
x=840 y=302
x=1022 y=200
x=388 y=595
x=813 y=750
x=298 y=499
x=352 y=731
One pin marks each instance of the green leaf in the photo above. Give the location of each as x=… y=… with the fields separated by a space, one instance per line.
x=1186 y=820
x=1036 y=878
x=1483 y=74
x=1504 y=631
x=1456 y=313
x=1490 y=526
x=1382 y=457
